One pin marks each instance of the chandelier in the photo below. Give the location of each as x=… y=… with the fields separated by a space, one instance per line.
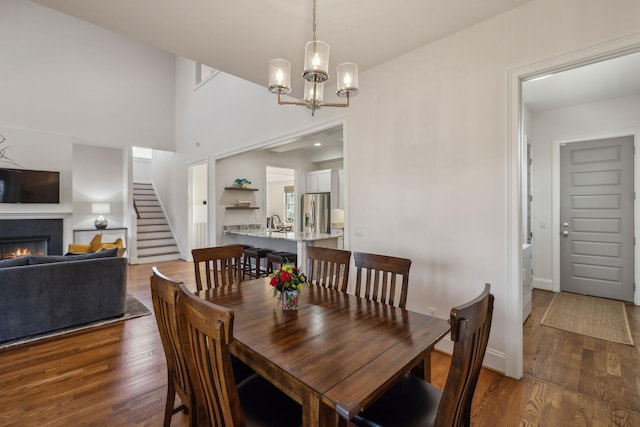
x=316 y=72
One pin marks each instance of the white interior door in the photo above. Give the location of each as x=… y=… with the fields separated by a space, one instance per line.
x=596 y=218
x=198 y=206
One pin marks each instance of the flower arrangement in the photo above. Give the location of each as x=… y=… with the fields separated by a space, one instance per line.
x=287 y=283
x=287 y=278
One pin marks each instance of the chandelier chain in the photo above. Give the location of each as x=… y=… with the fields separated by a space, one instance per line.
x=314 y=20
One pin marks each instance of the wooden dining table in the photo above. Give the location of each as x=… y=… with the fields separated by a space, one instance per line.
x=336 y=352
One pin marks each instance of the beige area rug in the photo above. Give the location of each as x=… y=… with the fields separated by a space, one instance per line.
x=134 y=308
x=594 y=317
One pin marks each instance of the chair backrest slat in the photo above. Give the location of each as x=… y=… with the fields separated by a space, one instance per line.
x=470 y=327
x=164 y=293
x=220 y=265
x=328 y=267
x=381 y=278
x=209 y=331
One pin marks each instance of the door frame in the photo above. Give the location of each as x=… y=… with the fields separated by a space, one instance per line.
x=513 y=169
x=555 y=202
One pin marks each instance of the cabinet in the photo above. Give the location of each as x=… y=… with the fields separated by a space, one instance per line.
x=322 y=181
x=241 y=189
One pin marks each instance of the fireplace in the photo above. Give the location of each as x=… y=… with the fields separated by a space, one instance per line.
x=23 y=247
x=19 y=237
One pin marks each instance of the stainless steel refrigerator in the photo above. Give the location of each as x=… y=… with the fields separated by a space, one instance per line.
x=316 y=212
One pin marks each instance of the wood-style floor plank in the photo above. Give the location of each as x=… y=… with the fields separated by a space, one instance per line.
x=115 y=375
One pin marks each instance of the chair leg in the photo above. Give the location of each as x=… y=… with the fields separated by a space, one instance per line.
x=171 y=399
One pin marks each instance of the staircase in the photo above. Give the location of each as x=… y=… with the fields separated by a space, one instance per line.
x=154 y=236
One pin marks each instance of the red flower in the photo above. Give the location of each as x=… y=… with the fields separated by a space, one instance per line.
x=285 y=276
x=274 y=281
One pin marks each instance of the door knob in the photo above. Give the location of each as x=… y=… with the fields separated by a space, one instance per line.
x=565 y=233
x=565 y=224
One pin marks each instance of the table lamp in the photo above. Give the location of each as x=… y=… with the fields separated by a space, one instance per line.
x=100 y=209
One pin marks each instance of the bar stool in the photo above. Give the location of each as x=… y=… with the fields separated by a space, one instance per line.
x=254 y=270
x=280 y=258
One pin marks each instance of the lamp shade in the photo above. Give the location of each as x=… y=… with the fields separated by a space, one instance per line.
x=100 y=208
x=337 y=218
x=279 y=76
x=316 y=61
x=347 y=80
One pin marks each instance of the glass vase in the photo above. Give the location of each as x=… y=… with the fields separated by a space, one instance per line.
x=289 y=300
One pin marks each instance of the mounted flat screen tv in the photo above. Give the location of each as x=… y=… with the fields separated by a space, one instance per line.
x=29 y=186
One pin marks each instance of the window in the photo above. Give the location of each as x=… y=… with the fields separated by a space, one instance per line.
x=289 y=204
x=204 y=73
x=142 y=153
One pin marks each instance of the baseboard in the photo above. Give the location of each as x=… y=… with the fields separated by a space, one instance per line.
x=527 y=306
x=494 y=360
x=544 y=284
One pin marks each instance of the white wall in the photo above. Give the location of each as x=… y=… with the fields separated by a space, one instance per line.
x=142 y=170
x=427 y=153
x=97 y=182
x=66 y=76
x=588 y=121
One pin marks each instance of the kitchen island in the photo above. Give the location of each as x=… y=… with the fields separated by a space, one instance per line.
x=289 y=241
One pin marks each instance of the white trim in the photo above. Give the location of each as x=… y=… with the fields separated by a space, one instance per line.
x=544 y=284
x=589 y=55
x=555 y=201
x=513 y=356
x=281 y=138
x=492 y=359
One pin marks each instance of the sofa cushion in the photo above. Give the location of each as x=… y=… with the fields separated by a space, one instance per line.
x=33 y=260
x=14 y=262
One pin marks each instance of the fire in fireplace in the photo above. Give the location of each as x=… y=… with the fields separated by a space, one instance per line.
x=15 y=249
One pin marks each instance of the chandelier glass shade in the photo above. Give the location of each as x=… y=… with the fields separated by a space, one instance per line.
x=316 y=72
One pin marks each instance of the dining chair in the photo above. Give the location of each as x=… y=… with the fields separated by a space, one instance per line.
x=163 y=294
x=220 y=265
x=328 y=267
x=377 y=276
x=413 y=402
x=255 y=401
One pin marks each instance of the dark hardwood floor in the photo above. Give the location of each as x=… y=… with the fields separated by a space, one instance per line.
x=116 y=375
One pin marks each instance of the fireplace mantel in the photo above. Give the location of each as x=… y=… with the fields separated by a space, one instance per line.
x=20 y=211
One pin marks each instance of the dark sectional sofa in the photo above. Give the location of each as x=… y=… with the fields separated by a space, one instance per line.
x=44 y=293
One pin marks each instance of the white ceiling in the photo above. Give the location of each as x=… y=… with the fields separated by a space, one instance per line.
x=240 y=36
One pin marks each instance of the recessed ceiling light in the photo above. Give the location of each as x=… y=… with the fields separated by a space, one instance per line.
x=317 y=144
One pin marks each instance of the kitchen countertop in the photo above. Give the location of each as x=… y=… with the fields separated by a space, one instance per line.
x=295 y=236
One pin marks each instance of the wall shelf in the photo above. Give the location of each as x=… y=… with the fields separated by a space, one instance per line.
x=241 y=188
